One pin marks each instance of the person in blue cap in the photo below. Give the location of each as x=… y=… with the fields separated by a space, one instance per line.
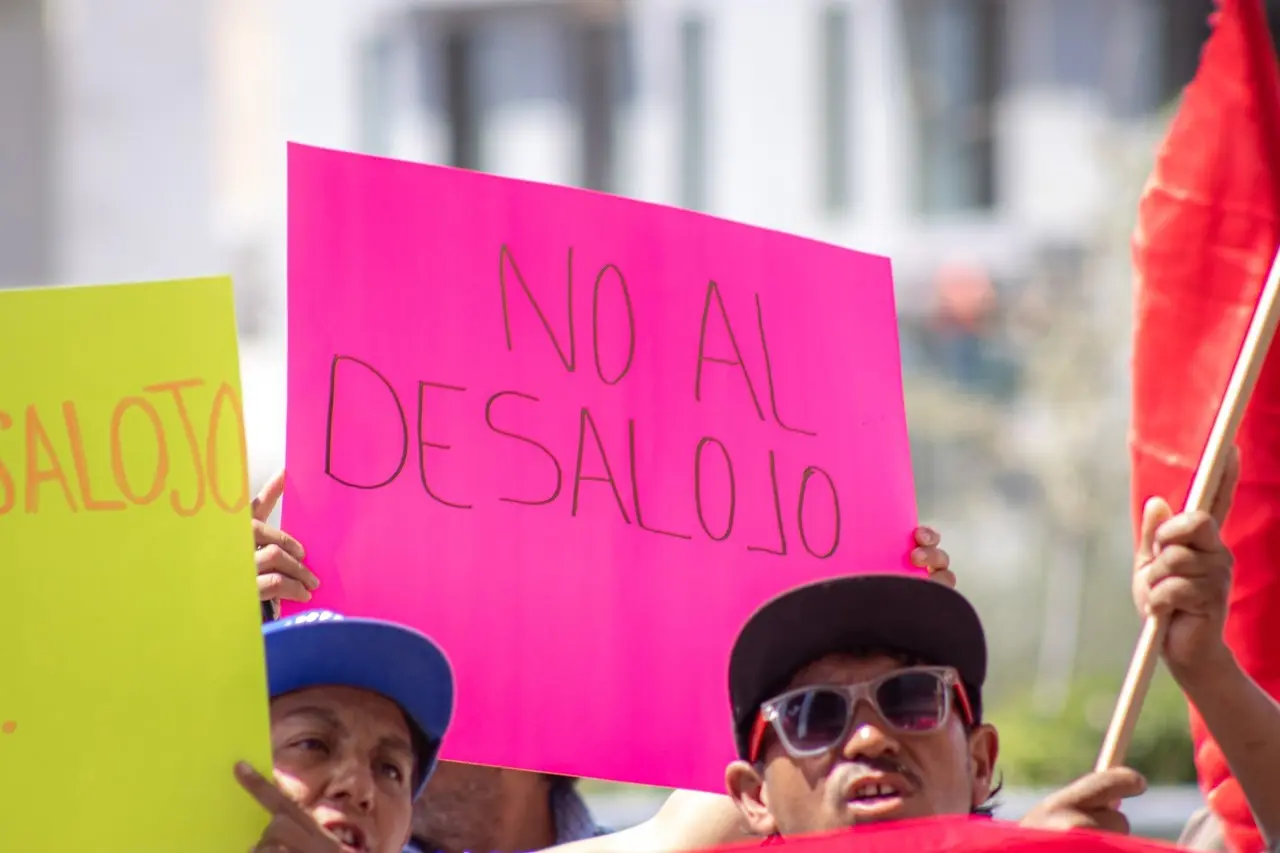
x=359 y=708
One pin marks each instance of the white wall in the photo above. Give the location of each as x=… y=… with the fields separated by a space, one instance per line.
x=134 y=148
x=764 y=79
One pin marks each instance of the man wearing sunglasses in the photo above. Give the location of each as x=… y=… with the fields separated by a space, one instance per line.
x=819 y=715
x=859 y=700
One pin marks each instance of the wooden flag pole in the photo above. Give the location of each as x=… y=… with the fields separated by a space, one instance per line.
x=1244 y=376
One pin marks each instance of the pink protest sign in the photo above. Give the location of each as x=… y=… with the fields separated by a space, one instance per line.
x=578 y=440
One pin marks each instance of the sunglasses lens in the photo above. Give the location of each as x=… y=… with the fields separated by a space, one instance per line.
x=815 y=719
x=913 y=701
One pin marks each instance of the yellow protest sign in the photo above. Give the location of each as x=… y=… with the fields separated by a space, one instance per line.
x=131 y=664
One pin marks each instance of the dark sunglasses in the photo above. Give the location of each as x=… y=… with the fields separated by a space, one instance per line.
x=812 y=720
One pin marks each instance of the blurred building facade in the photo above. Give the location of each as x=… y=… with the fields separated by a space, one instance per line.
x=974 y=141
x=105 y=147
x=929 y=130
x=943 y=133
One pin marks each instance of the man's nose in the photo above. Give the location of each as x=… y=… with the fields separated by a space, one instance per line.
x=352 y=783
x=868 y=736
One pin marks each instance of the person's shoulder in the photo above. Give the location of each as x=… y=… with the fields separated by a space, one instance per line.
x=1203 y=832
x=574 y=820
x=688 y=820
x=695 y=820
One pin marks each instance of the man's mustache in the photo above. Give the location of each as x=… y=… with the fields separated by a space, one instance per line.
x=863 y=765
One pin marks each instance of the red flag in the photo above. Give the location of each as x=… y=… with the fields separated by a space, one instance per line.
x=959 y=834
x=1208 y=228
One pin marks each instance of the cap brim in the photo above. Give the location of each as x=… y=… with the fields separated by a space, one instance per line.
x=391 y=660
x=904 y=613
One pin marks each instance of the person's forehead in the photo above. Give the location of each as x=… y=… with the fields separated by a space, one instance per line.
x=845 y=668
x=342 y=707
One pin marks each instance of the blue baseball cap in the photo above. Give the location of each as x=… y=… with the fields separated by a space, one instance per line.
x=320 y=648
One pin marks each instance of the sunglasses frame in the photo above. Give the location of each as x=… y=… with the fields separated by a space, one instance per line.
x=856 y=694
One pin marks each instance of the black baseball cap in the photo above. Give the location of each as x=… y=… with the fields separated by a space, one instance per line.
x=903 y=613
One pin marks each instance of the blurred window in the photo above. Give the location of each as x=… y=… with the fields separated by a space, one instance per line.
x=955 y=51
x=525 y=90
x=836 y=109
x=693 y=112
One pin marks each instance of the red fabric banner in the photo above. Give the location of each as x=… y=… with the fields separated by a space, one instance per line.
x=963 y=834
x=1208 y=228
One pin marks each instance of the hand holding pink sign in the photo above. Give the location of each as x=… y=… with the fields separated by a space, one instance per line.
x=577 y=440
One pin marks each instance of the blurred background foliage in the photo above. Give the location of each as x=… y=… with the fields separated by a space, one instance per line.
x=1041 y=750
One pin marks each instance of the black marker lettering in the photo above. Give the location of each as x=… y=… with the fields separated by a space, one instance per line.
x=584 y=421
x=635 y=487
x=768 y=374
x=505 y=257
x=835 y=503
x=595 y=327
x=423 y=443
x=777 y=512
x=713 y=291
x=328 y=430
x=697 y=487
x=488 y=419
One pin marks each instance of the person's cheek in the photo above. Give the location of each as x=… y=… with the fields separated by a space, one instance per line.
x=834 y=809
x=953 y=789
x=395 y=822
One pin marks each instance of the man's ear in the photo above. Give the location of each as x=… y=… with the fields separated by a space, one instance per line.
x=984 y=749
x=746 y=787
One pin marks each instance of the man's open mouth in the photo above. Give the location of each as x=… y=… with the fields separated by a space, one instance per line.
x=350 y=836
x=872 y=792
